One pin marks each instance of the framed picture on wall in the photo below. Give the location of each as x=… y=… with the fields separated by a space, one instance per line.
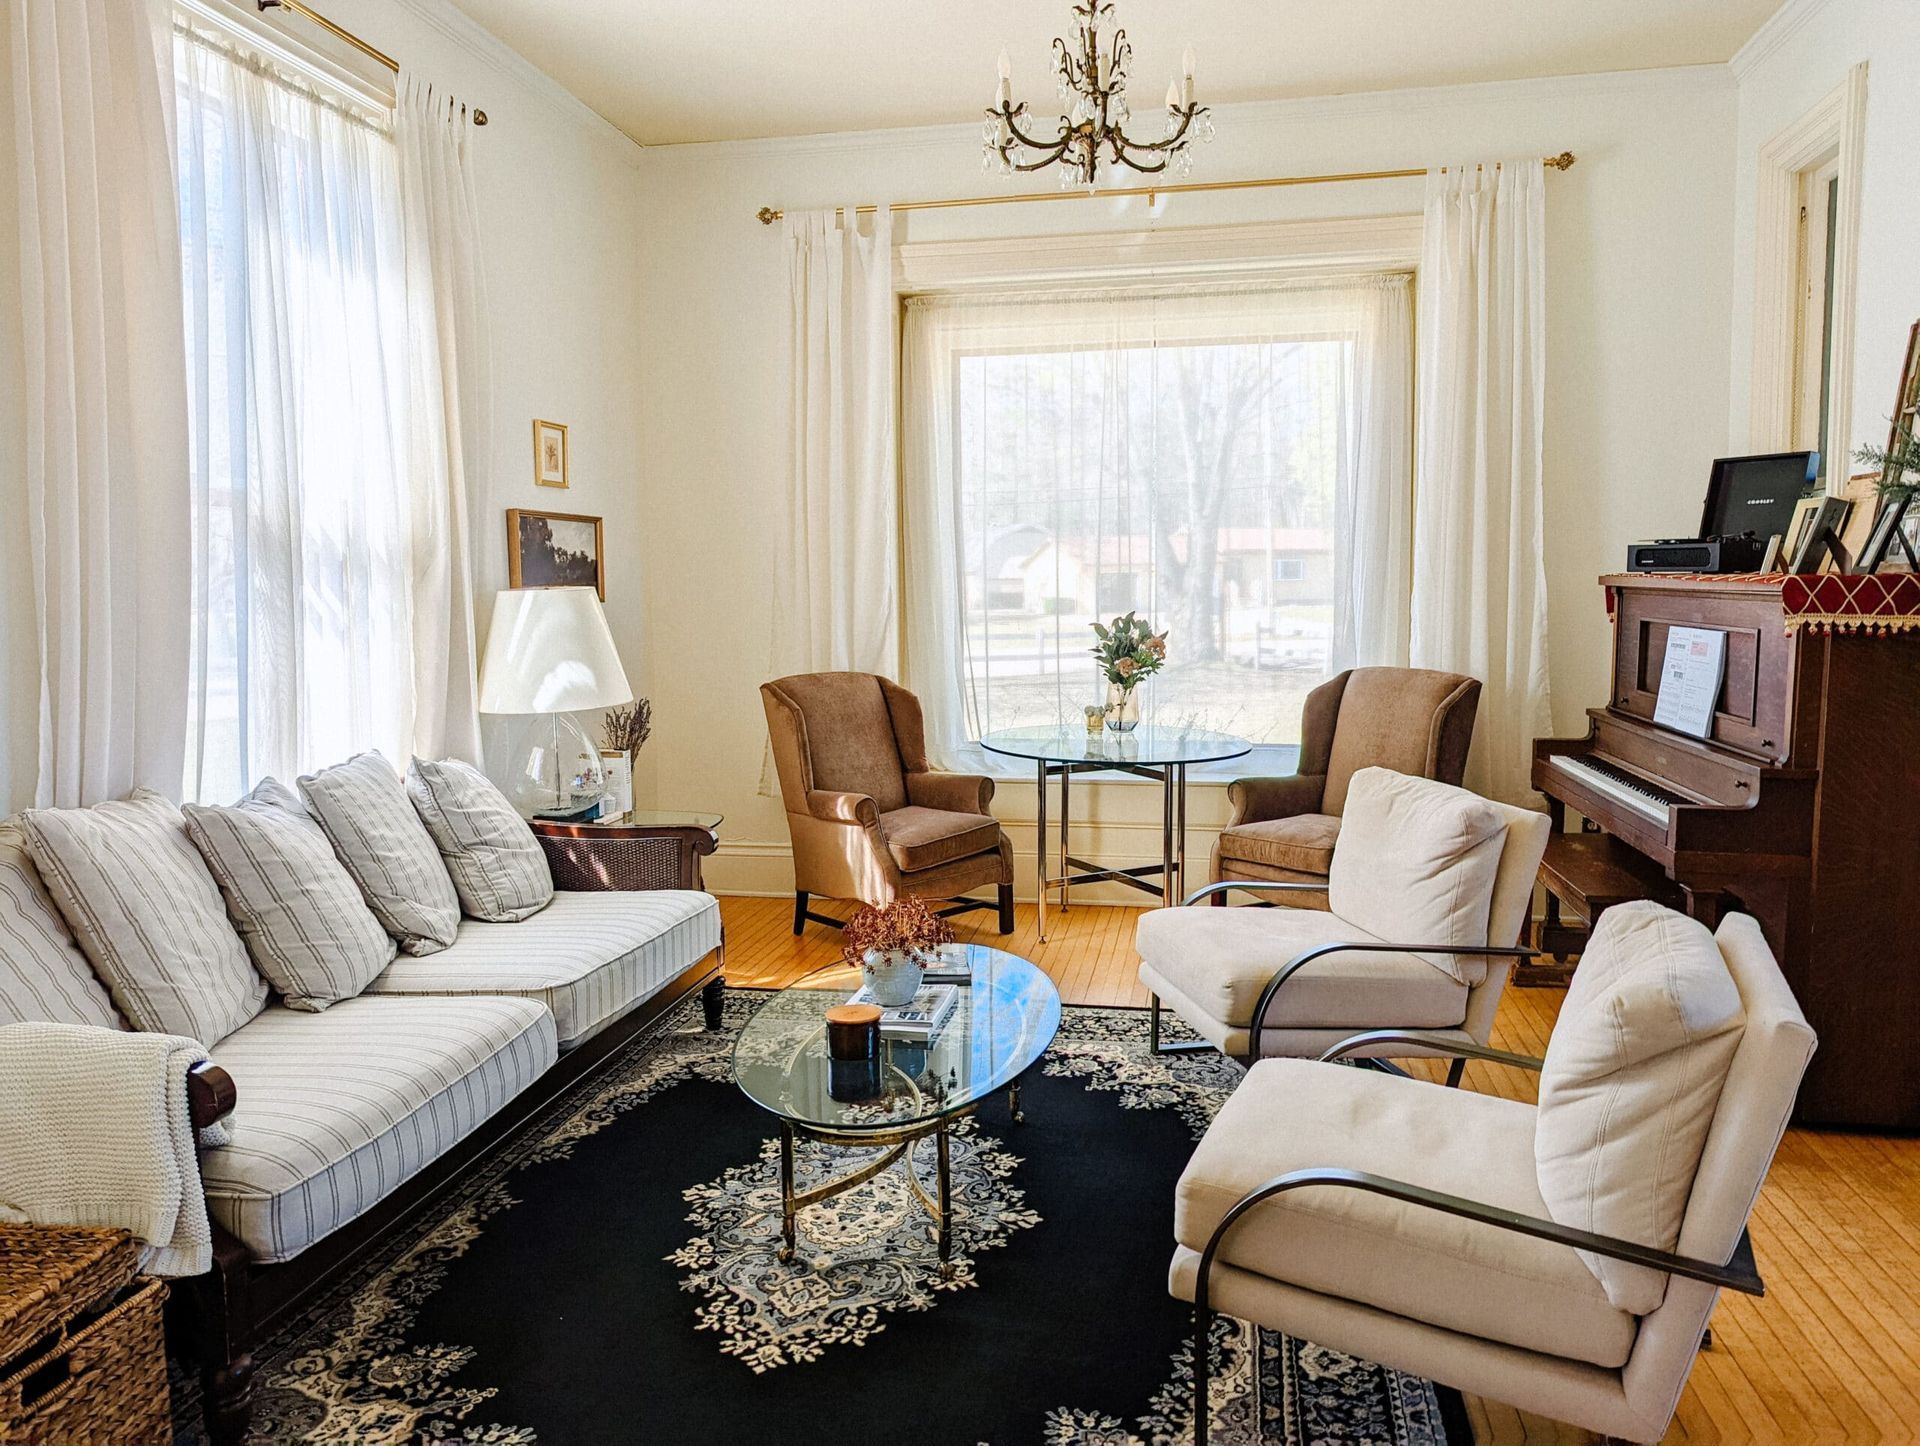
x=555 y=549
x=549 y=454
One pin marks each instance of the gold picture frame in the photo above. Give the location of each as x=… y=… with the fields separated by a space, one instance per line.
x=556 y=549
x=550 y=454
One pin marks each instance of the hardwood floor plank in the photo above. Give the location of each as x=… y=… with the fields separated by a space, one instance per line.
x=1831 y=1353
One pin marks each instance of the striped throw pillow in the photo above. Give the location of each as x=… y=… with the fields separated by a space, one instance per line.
x=44 y=978
x=498 y=868
x=146 y=912
x=297 y=908
x=362 y=807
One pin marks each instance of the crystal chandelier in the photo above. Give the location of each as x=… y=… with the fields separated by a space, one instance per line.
x=1093 y=86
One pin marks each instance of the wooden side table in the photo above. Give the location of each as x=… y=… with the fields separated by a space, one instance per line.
x=644 y=849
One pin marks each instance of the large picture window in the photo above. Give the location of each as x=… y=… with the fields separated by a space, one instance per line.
x=1230 y=461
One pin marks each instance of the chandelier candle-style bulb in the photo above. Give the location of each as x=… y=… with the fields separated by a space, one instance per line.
x=1093 y=82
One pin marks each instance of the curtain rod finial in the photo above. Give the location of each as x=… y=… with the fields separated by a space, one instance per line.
x=1562 y=162
x=767 y=215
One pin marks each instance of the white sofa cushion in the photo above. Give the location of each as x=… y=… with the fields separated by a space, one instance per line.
x=589 y=957
x=299 y=912
x=1416 y=862
x=44 y=978
x=363 y=808
x=497 y=866
x=1423 y=1264
x=337 y=1110
x=148 y=915
x=1212 y=964
x=1633 y=1073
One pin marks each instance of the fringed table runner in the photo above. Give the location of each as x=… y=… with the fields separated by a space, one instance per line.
x=1886 y=602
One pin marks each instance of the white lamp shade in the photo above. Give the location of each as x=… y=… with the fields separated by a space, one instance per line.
x=550 y=651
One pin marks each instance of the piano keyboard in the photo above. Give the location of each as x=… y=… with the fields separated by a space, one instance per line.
x=1649 y=800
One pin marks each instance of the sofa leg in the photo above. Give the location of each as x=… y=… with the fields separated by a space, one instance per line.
x=1006 y=908
x=712 y=995
x=799 y=912
x=223 y=1319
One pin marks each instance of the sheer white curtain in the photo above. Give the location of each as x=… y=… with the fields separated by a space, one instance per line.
x=1232 y=460
x=451 y=393
x=302 y=518
x=106 y=443
x=1480 y=587
x=838 y=563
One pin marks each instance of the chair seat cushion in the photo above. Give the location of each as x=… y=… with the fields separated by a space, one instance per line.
x=336 y=1110
x=925 y=838
x=1220 y=960
x=1413 y=1261
x=588 y=957
x=1302 y=844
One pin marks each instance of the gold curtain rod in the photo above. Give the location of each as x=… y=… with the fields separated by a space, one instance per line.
x=340 y=32
x=768 y=215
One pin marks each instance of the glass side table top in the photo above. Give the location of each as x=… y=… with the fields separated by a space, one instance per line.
x=653 y=818
x=1005 y=1019
x=1148 y=744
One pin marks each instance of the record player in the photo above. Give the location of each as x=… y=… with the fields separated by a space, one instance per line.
x=1749 y=501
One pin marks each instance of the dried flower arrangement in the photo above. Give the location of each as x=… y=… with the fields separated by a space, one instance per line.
x=905 y=924
x=627 y=728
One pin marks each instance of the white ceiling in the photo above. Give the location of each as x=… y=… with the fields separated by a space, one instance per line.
x=667 y=71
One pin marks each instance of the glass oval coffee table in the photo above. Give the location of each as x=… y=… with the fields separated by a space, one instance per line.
x=1006 y=1016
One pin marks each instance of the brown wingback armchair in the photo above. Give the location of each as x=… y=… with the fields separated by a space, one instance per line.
x=869 y=819
x=1411 y=720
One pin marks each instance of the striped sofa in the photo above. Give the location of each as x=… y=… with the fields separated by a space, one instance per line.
x=344 y=1120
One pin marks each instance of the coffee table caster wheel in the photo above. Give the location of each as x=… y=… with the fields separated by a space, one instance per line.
x=785 y=1255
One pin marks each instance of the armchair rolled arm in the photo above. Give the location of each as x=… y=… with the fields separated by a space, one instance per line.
x=1256 y=886
x=854 y=808
x=951 y=792
x=211 y=1094
x=1737 y=1272
x=1433 y=1039
x=1256 y=800
x=1299 y=961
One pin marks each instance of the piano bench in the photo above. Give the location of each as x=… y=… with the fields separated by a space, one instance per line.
x=1587 y=874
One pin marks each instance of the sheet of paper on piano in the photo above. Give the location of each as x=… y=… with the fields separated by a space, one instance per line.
x=1691 y=673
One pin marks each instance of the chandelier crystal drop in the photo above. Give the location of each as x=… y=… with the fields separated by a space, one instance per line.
x=1092 y=86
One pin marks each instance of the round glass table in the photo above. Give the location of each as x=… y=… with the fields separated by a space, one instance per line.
x=1006 y=1016
x=1149 y=752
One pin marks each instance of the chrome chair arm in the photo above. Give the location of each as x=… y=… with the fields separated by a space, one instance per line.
x=1260 y=886
x=1441 y=1044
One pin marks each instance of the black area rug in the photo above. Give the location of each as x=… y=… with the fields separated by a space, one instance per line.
x=610 y=1276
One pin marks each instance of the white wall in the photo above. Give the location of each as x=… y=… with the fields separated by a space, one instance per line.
x=1796 y=59
x=1638 y=317
x=560 y=200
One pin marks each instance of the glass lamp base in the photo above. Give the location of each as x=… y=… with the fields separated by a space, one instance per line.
x=556 y=769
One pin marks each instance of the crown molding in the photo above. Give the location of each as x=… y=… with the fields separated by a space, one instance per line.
x=490 y=50
x=1254 y=114
x=1780 y=27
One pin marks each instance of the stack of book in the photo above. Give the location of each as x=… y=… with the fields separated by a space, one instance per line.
x=919 y=1020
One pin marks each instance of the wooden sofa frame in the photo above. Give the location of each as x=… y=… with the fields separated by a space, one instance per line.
x=220 y=1318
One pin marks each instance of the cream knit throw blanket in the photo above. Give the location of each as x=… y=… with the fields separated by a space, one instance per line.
x=96 y=1132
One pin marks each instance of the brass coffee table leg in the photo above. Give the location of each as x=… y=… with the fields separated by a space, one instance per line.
x=1013 y=1102
x=944 y=1215
x=788 y=1206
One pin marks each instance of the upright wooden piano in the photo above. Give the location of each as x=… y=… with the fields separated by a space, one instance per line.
x=1802 y=808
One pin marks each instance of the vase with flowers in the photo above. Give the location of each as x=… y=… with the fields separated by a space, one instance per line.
x=892 y=946
x=1129 y=652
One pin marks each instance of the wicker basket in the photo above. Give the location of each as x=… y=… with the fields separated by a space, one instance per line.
x=81 y=1352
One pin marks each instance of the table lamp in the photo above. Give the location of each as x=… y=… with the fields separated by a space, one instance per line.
x=550 y=653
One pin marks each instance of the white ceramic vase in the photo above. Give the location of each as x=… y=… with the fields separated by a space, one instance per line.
x=892 y=975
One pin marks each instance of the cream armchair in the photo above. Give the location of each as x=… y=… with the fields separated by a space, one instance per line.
x=1429 y=889
x=1563 y=1258
x=870 y=820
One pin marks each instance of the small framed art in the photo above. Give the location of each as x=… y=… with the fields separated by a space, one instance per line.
x=549 y=454
x=555 y=549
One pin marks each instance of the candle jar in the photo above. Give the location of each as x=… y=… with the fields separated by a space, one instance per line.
x=853 y=1032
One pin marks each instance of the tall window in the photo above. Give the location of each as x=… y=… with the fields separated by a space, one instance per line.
x=296 y=335
x=1230 y=461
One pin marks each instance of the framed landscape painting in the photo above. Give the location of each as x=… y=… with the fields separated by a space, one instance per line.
x=555 y=549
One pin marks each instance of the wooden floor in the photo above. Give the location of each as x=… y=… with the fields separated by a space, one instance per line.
x=1831 y=1353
